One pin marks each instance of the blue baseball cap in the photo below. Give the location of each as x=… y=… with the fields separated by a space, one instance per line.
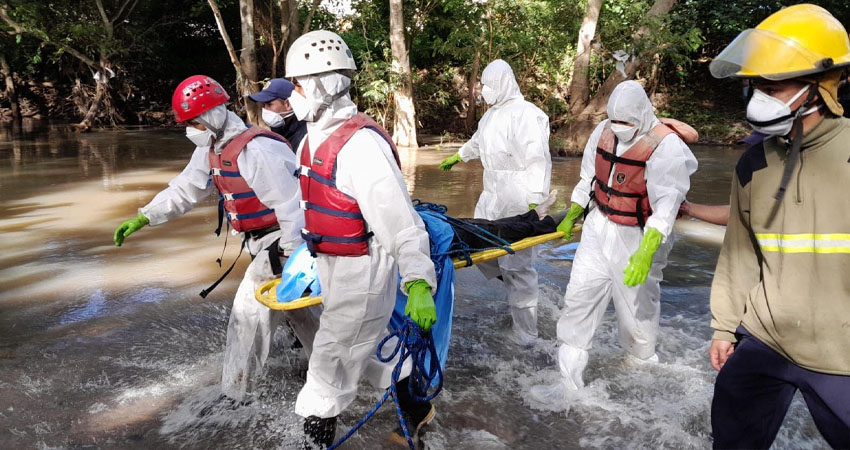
x=277 y=88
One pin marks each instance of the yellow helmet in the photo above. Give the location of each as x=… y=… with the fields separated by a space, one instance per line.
x=793 y=42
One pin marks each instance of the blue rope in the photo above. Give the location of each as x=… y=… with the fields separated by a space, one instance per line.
x=412 y=343
x=461 y=249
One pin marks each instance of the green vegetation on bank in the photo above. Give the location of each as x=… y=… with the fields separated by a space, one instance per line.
x=53 y=50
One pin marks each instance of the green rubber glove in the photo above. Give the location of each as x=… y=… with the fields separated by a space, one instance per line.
x=447 y=163
x=566 y=225
x=420 y=305
x=641 y=261
x=129 y=227
x=532 y=206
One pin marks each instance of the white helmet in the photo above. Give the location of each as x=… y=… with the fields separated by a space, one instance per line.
x=317 y=52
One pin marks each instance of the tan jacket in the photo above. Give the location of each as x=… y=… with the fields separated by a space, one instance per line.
x=789 y=283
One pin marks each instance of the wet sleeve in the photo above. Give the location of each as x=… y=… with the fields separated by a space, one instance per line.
x=738 y=269
x=533 y=136
x=470 y=150
x=581 y=193
x=268 y=167
x=183 y=192
x=668 y=179
x=367 y=171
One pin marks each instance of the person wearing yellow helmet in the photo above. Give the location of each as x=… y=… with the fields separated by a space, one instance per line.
x=779 y=299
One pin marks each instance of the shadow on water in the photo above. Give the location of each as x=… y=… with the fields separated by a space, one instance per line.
x=107 y=347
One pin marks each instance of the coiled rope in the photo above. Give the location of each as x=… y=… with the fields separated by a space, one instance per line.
x=415 y=344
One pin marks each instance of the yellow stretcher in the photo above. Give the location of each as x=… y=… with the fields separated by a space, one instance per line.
x=266 y=292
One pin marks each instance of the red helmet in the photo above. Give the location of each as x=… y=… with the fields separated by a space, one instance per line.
x=196 y=95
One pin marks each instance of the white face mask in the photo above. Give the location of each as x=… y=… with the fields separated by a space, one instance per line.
x=301 y=107
x=624 y=133
x=771 y=116
x=201 y=138
x=272 y=118
x=489 y=95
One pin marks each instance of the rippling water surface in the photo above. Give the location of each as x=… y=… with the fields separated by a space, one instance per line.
x=105 y=347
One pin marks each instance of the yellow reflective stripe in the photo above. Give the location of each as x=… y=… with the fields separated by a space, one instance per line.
x=803 y=236
x=804 y=242
x=807 y=249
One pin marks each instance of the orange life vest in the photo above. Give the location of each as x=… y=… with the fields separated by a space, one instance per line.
x=626 y=201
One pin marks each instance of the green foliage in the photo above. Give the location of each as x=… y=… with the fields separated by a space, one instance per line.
x=375 y=84
x=162 y=42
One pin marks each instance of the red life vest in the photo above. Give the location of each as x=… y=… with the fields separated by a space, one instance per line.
x=245 y=211
x=626 y=201
x=334 y=224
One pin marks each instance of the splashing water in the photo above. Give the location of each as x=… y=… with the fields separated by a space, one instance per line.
x=112 y=348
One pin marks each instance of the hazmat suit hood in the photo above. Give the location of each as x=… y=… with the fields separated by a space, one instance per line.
x=629 y=103
x=336 y=114
x=499 y=77
x=225 y=124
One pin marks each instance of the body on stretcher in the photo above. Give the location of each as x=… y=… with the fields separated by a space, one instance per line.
x=267 y=292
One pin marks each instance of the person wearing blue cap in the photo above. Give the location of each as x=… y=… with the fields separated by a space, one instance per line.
x=277 y=112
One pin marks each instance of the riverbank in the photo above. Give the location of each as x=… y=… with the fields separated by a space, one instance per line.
x=718 y=122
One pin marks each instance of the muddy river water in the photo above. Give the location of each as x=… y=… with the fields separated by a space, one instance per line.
x=106 y=347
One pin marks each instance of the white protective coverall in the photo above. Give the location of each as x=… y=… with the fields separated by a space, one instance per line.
x=358 y=293
x=267 y=166
x=605 y=249
x=512 y=142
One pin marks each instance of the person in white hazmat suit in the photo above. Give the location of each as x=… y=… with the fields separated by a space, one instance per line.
x=609 y=247
x=362 y=227
x=268 y=214
x=512 y=142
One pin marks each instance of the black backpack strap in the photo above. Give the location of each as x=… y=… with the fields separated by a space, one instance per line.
x=207 y=291
x=274 y=257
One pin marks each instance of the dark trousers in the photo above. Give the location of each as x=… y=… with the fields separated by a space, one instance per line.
x=754 y=389
x=511 y=229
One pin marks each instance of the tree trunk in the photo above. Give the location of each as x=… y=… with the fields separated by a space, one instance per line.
x=579 y=92
x=248 y=60
x=309 y=19
x=576 y=133
x=94 y=108
x=289 y=32
x=404 y=128
x=471 y=81
x=654 y=75
x=11 y=93
x=290 y=26
x=226 y=38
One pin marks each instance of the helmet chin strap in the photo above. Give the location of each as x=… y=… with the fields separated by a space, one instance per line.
x=794 y=155
x=217 y=131
x=327 y=99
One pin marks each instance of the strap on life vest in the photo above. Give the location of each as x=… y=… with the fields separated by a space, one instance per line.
x=305 y=205
x=311 y=239
x=614 y=159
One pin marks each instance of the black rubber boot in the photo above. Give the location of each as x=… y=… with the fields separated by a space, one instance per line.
x=416 y=414
x=319 y=433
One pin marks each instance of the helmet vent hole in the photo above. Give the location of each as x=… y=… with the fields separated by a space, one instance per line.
x=322 y=41
x=321 y=49
x=314 y=44
x=329 y=63
x=337 y=47
x=306 y=56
